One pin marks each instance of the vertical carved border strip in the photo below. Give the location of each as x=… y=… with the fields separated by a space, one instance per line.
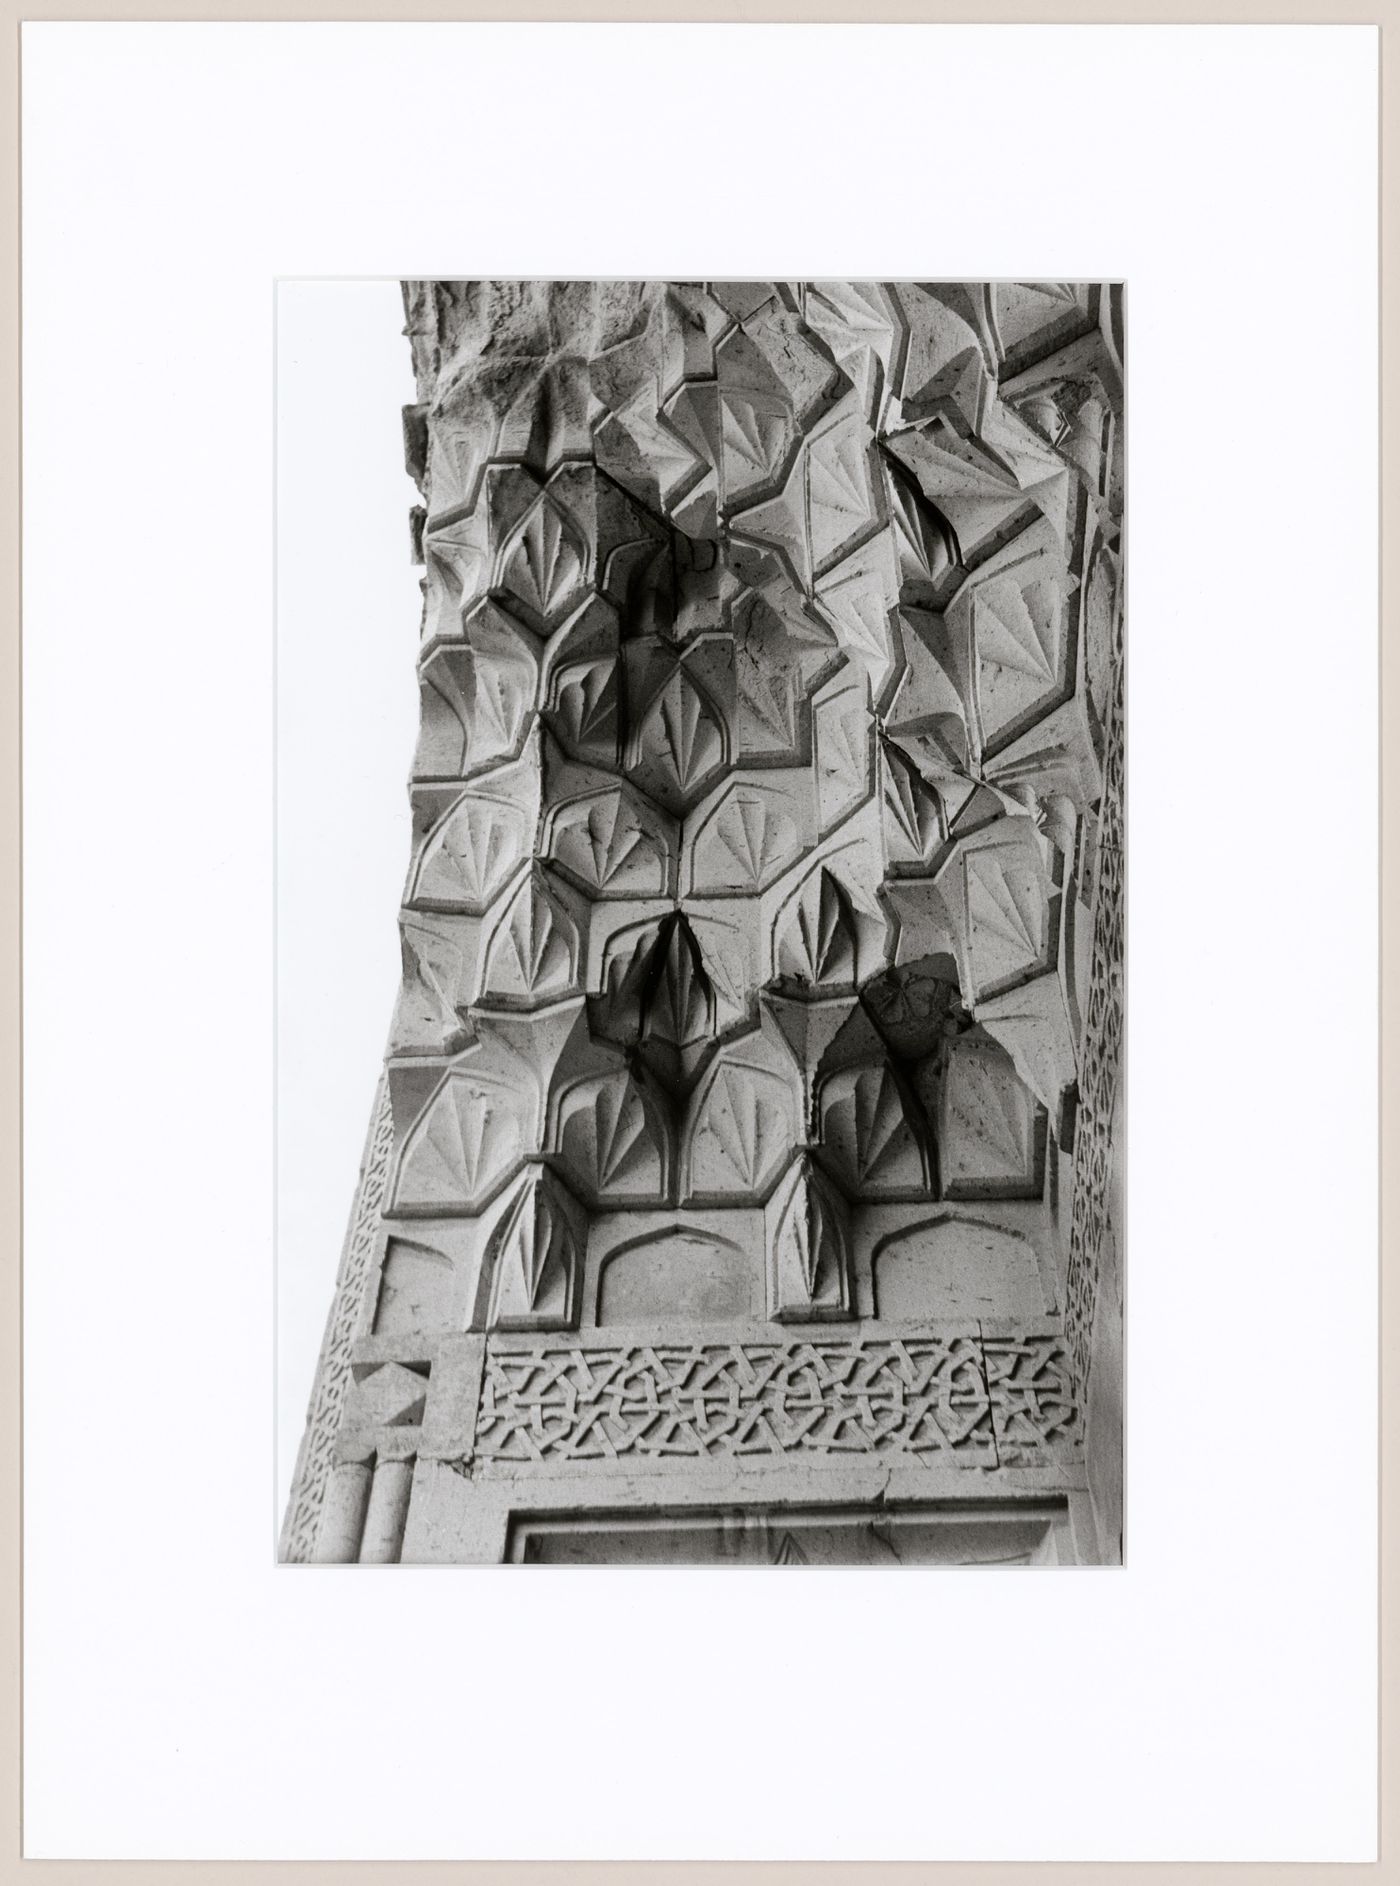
x=1103 y=1041
x=333 y=1369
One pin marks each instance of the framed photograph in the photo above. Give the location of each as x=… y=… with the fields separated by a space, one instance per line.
x=701 y=806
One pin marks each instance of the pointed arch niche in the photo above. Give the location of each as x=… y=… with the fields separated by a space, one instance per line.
x=680 y=1274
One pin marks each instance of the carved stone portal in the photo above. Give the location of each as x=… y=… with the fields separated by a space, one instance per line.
x=738 y=1187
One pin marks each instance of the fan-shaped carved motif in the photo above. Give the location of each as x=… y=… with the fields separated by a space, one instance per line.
x=1006 y=911
x=469 y=855
x=661 y=997
x=856 y=596
x=924 y=543
x=757 y=432
x=841 y=503
x=818 y=944
x=603 y=843
x=744 y=1129
x=534 y=953
x=866 y=1126
x=645 y=454
x=678 y=1005
x=810 y=1252
x=466 y=1141
x=543 y=566
x=611 y=1141
x=989 y=1125
x=842 y=759
x=912 y=816
x=475 y=707
x=584 y=713
x=679 y=744
x=747 y=843
x=538 y=1255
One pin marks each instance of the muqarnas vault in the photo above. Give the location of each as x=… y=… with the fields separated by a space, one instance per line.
x=742 y=1183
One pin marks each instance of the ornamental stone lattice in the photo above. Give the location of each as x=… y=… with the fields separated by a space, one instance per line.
x=740 y=1186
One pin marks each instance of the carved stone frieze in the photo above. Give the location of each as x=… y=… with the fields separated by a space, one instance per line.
x=951 y=1397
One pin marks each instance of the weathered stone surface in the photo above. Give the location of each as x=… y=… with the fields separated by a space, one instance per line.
x=762 y=938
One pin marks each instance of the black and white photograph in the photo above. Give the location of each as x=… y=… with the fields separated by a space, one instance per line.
x=742 y=1181
x=701 y=800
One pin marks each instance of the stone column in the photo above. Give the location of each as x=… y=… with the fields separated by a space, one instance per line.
x=759 y=937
